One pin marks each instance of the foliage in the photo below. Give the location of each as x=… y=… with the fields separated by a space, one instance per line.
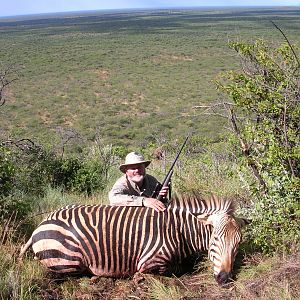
x=131 y=75
x=27 y=170
x=15 y=206
x=265 y=119
x=14 y=203
x=31 y=164
x=92 y=173
x=19 y=283
x=7 y=171
x=276 y=218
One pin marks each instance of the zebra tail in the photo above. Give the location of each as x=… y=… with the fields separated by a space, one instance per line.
x=24 y=248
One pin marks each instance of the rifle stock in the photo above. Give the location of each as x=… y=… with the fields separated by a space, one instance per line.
x=165 y=183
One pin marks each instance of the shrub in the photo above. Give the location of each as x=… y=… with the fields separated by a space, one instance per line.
x=7 y=171
x=64 y=172
x=275 y=219
x=15 y=206
x=264 y=114
x=27 y=170
x=27 y=167
x=90 y=177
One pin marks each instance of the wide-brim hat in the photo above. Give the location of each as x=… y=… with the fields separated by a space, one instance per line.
x=133 y=158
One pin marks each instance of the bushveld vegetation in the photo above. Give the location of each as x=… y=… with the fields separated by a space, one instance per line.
x=114 y=73
x=92 y=87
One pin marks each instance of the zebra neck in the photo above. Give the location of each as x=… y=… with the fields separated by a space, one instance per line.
x=195 y=235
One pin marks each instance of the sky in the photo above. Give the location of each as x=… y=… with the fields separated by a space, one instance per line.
x=25 y=7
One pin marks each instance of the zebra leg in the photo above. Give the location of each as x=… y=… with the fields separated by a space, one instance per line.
x=158 y=264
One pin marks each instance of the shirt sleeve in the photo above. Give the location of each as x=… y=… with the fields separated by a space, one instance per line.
x=119 y=196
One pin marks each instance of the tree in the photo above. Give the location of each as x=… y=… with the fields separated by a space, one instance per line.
x=8 y=75
x=264 y=114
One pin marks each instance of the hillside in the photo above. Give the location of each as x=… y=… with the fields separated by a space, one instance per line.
x=131 y=80
x=125 y=76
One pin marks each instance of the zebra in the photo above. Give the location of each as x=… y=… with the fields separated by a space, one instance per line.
x=119 y=241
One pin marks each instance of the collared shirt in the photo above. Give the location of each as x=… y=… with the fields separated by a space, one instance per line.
x=127 y=193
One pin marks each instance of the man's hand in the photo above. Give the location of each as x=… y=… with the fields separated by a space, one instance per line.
x=164 y=191
x=154 y=203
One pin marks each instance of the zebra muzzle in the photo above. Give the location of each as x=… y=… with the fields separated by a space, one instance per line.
x=223 y=278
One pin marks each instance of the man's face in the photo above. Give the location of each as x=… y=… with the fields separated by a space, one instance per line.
x=136 y=173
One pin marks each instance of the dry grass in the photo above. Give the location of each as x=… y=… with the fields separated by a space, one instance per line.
x=274 y=278
x=258 y=277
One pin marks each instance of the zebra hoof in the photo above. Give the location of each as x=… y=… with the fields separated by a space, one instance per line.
x=138 y=278
x=94 y=278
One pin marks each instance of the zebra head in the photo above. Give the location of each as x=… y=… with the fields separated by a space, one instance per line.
x=223 y=245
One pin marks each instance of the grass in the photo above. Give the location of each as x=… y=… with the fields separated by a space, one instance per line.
x=257 y=277
x=128 y=75
x=134 y=78
x=272 y=278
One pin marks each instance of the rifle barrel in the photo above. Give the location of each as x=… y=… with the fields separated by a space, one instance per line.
x=170 y=172
x=177 y=156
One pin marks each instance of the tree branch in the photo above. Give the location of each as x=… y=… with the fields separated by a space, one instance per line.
x=287 y=40
x=5 y=80
x=246 y=150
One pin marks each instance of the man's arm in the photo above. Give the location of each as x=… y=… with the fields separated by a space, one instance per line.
x=120 y=195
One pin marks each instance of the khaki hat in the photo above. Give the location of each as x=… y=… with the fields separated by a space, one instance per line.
x=134 y=158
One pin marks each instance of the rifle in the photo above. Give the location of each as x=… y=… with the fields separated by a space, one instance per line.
x=167 y=179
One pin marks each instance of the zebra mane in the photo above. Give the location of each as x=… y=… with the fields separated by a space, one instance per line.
x=197 y=204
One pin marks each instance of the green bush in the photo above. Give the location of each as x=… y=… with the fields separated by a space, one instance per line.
x=275 y=220
x=15 y=206
x=7 y=171
x=264 y=114
x=28 y=170
x=21 y=178
x=64 y=172
x=90 y=177
x=25 y=168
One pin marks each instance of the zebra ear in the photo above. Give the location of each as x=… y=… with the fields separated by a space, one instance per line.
x=242 y=221
x=205 y=219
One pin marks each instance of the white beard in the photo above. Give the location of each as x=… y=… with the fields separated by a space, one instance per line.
x=138 y=179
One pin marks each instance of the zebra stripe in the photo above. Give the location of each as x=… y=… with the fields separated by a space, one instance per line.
x=118 y=241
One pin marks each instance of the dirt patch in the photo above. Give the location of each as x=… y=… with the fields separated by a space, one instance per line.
x=168 y=57
x=102 y=74
x=45 y=116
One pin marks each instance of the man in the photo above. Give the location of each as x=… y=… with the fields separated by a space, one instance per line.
x=135 y=187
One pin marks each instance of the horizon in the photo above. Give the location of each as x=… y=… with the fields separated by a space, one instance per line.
x=87 y=11
x=18 y=8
